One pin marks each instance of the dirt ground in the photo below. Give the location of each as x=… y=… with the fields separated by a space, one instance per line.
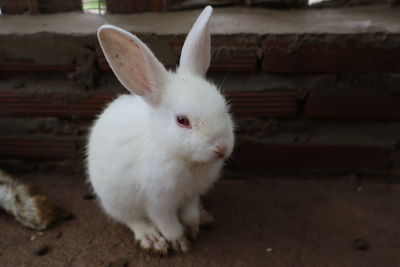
x=274 y=221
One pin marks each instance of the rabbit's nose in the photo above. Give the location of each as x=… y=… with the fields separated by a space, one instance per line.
x=220 y=150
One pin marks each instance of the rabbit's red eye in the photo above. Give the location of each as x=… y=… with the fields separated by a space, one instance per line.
x=183 y=121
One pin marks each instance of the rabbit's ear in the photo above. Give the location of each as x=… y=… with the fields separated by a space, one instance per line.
x=133 y=63
x=195 y=57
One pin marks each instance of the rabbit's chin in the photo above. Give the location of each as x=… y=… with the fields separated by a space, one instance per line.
x=206 y=164
x=205 y=159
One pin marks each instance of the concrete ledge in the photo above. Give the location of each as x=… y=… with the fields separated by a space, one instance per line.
x=244 y=39
x=224 y=21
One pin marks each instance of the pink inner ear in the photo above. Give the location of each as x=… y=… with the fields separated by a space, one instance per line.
x=128 y=62
x=133 y=63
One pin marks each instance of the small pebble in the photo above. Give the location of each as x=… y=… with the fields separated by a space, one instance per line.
x=268 y=250
x=360 y=244
x=43 y=249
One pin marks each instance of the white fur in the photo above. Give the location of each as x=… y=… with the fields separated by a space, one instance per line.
x=147 y=171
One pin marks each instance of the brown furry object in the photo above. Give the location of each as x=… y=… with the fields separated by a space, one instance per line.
x=29 y=206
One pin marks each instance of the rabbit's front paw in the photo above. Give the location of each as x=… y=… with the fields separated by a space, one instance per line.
x=155 y=243
x=150 y=239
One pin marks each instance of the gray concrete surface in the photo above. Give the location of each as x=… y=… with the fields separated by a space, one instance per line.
x=67 y=40
x=224 y=21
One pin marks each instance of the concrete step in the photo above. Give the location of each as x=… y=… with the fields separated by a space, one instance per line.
x=349 y=39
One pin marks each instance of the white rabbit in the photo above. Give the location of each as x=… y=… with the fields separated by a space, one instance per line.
x=153 y=153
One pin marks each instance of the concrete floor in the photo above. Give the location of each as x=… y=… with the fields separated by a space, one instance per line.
x=319 y=221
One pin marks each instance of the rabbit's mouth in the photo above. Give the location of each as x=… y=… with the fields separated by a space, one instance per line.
x=197 y=165
x=212 y=157
x=220 y=151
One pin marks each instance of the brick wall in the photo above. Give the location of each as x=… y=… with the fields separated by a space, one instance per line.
x=302 y=102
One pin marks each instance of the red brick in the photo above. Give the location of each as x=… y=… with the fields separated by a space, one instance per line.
x=254 y=104
x=52 y=105
x=350 y=56
x=131 y=6
x=36 y=6
x=53 y=6
x=122 y=6
x=345 y=106
x=241 y=64
x=263 y=104
x=14 y=6
x=36 y=148
x=33 y=66
x=310 y=157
